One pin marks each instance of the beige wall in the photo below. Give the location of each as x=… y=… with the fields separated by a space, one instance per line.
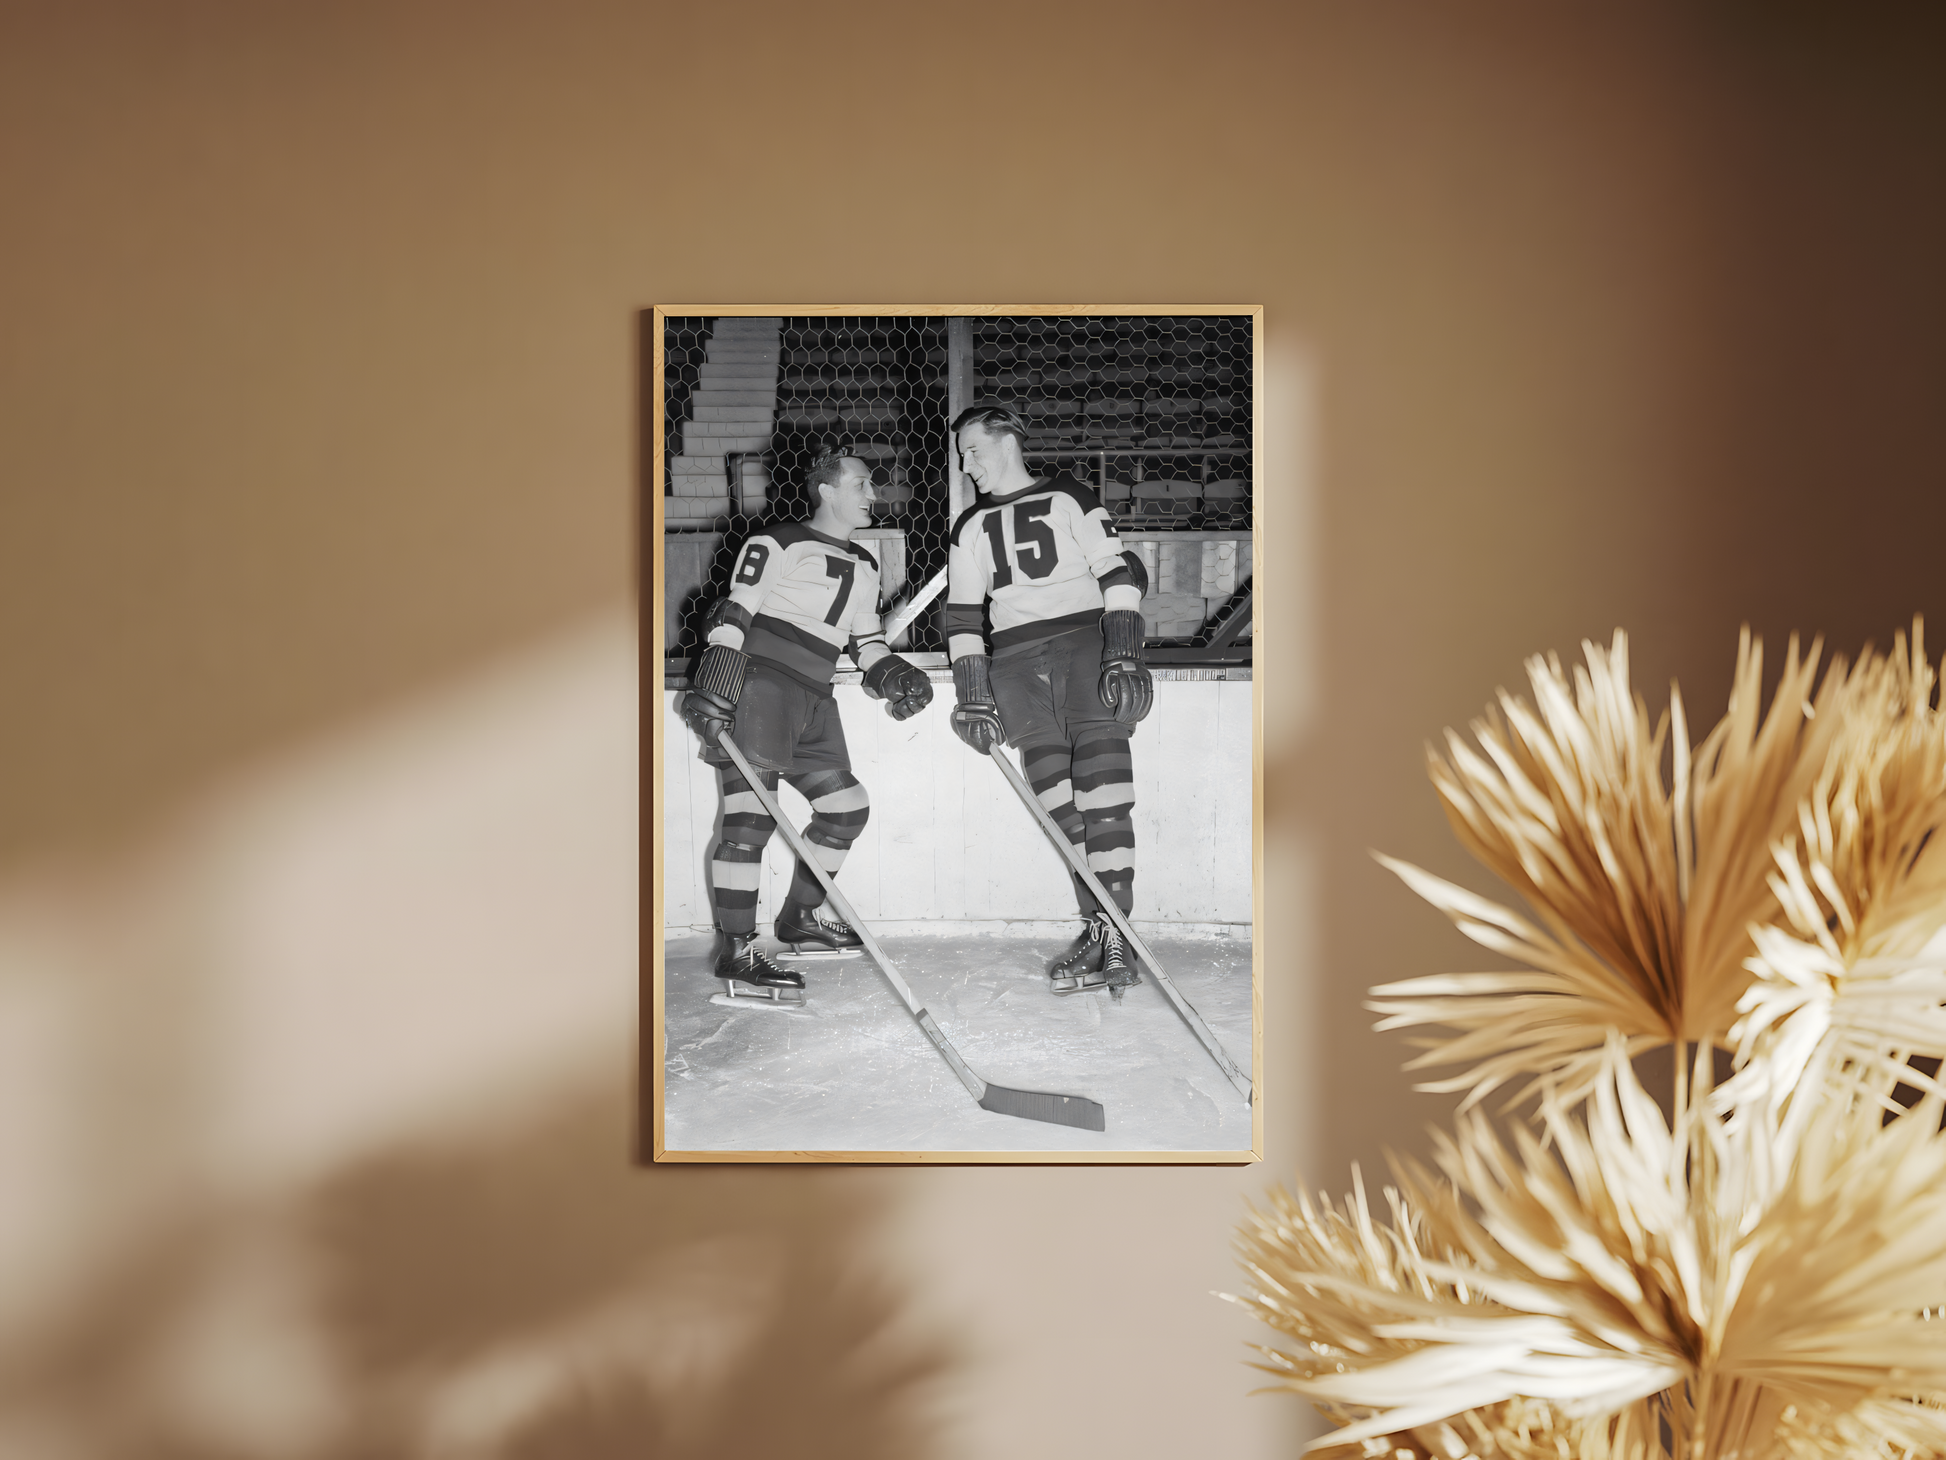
x=318 y=807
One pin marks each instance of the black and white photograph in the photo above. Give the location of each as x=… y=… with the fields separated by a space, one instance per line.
x=958 y=811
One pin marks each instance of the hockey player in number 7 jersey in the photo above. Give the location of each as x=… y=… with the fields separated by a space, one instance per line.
x=1062 y=677
x=800 y=594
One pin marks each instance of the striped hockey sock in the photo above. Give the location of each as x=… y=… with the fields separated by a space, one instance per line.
x=840 y=808
x=1047 y=770
x=1104 y=793
x=736 y=866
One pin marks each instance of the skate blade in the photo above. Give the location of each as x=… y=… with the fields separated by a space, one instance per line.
x=757 y=1001
x=1080 y=988
x=817 y=954
x=740 y=988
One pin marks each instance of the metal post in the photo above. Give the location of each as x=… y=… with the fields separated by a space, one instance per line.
x=960 y=384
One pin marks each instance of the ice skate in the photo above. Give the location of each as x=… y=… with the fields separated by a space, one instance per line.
x=1119 y=973
x=751 y=980
x=1079 y=969
x=810 y=936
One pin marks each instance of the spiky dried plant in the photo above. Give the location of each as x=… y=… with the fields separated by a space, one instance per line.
x=1764 y=1272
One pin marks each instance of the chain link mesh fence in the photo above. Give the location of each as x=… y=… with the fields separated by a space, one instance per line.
x=1153 y=411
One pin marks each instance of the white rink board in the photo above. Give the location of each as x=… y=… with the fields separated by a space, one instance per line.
x=949 y=840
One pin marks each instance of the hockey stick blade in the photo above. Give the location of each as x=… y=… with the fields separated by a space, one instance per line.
x=1075 y=1110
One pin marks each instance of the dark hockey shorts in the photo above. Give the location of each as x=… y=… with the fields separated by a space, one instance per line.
x=782 y=726
x=1050 y=694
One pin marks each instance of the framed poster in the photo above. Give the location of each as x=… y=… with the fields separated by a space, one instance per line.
x=952 y=745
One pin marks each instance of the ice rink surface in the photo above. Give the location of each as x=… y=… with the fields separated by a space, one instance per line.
x=854 y=1073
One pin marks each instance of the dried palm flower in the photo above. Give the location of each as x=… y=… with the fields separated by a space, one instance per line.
x=1814 y=822
x=1856 y=966
x=1627 y=1287
x=1763 y=1273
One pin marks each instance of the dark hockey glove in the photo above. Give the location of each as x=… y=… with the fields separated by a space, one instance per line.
x=975 y=719
x=901 y=684
x=711 y=704
x=1126 y=688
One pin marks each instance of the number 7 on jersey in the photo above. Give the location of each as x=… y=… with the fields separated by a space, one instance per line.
x=841 y=569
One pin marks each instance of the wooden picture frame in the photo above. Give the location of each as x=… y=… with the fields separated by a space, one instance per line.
x=1155 y=410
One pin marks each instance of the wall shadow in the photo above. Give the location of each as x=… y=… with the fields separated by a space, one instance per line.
x=670 y=1312
x=525 y=1297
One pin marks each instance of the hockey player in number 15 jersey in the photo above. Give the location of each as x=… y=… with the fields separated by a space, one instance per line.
x=1061 y=676
x=800 y=593
x=1048 y=558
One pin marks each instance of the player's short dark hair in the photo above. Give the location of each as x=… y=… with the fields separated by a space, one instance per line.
x=995 y=420
x=827 y=470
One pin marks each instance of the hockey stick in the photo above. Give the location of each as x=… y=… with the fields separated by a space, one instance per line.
x=1074 y=1110
x=1080 y=864
x=901 y=617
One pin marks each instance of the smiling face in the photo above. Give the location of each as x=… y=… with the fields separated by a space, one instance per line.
x=848 y=501
x=986 y=456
